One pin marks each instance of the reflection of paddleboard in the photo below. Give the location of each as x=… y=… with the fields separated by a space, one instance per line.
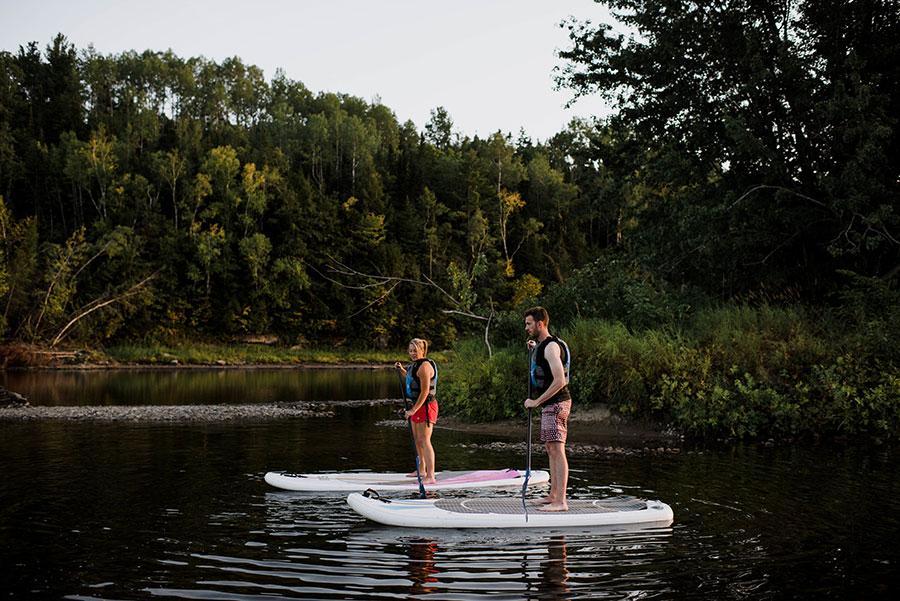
x=507 y=512
x=393 y=481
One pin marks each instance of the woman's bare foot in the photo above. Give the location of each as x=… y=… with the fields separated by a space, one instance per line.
x=412 y=474
x=429 y=481
x=545 y=501
x=555 y=507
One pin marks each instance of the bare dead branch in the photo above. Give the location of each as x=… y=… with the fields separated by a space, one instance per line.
x=99 y=303
x=487 y=330
x=377 y=300
x=379 y=280
x=782 y=189
x=465 y=314
x=341 y=269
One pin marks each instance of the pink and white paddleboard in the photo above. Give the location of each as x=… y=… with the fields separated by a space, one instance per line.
x=359 y=481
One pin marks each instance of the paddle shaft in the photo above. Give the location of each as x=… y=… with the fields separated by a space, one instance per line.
x=527 y=442
x=412 y=438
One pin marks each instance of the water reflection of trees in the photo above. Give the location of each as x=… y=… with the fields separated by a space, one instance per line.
x=198 y=386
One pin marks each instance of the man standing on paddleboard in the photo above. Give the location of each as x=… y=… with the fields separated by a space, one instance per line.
x=549 y=374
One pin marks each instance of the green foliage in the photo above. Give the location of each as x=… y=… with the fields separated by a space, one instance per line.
x=749 y=138
x=731 y=371
x=243 y=195
x=614 y=288
x=870 y=308
x=857 y=397
x=753 y=153
x=479 y=388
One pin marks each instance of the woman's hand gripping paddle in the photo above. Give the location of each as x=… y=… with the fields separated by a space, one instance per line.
x=412 y=438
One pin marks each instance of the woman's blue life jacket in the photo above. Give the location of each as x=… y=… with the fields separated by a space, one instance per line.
x=541 y=375
x=414 y=386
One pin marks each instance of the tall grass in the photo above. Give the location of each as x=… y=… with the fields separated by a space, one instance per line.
x=730 y=371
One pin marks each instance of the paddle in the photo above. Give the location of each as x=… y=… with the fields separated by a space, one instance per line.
x=527 y=442
x=412 y=439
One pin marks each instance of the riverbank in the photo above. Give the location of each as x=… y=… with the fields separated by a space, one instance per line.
x=589 y=429
x=194 y=354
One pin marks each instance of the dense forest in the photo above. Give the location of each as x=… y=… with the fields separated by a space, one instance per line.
x=754 y=157
x=208 y=201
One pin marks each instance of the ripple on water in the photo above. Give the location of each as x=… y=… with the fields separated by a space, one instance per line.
x=340 y=555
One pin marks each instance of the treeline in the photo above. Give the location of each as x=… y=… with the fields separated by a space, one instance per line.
x=753 y=156
x=148 y=195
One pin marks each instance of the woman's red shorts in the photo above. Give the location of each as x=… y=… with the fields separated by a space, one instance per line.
x=429 y=410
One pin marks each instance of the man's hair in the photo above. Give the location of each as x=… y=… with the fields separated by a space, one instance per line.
x=538 y=314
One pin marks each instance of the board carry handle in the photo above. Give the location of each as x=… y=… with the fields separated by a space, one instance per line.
x=371 y=493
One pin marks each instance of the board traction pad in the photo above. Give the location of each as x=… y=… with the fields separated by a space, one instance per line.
x=512 y=505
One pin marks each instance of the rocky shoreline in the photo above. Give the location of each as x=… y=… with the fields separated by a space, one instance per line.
x=574 y=449
x=587 y=427
x=164 y=413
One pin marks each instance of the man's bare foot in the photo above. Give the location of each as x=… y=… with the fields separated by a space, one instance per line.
x=412 y=474
x=555 y=507
x=429 y=481
x=545 y=501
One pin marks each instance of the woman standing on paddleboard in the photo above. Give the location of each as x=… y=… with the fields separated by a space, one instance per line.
x=420 y=387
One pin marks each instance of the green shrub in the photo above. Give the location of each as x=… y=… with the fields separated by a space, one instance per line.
x=478 y=388
x=615 y=289
x=856 y=396
x=869 y=311
x=735 y=371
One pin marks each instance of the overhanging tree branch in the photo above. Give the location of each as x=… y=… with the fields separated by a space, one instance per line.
x=99 y=303
x=341 y=269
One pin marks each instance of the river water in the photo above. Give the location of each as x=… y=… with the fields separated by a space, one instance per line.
x=93 y=510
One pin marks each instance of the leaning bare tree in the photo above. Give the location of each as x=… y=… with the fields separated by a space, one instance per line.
x=461 y=305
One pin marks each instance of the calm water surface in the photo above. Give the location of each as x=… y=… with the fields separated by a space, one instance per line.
x=131 y=511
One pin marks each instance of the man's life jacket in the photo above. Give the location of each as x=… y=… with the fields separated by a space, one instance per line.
x=541 y=375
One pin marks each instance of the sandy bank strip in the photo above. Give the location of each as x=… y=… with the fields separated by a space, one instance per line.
x=199 y=366
x=165 y=413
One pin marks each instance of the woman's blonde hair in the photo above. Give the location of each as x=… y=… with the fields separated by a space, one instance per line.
x=421 y=344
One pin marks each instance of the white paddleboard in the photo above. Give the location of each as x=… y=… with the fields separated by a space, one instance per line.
x=360 y=481
x=507 y=512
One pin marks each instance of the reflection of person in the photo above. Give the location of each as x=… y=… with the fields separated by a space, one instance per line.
x=549 y=374
x=421 y=388
x=555 y=574
x=422 y=572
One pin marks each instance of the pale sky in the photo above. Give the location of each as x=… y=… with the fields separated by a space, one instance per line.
x=488 y=62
